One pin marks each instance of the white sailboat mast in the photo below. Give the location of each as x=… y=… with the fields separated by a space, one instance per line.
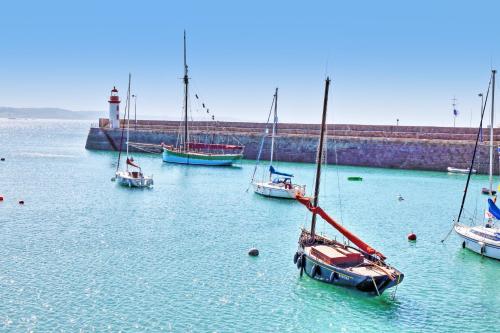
x=128 y=113
x=275 y=120
x=493 y=72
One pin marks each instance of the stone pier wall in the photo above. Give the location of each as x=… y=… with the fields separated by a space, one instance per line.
x=409 y=147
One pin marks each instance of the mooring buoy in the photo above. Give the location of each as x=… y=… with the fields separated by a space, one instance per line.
x=21 y=202
x=254 y=252
x=2 y=159
x=412 y=237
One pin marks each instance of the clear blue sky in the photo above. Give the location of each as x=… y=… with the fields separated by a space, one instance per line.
x=387 y=59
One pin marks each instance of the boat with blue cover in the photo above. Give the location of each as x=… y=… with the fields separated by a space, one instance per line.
x=279 y=184
x=356 y=266
x=484 y=237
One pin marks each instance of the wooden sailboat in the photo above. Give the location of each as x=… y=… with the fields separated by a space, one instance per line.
x=327 y=260
x=132 y=176
x=199 y=153
x=280 y=184
x=482 y=238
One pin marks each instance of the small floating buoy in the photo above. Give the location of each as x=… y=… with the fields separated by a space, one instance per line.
x=412 y=237
x=2 y=159
x=1 y=197
x=21 y=202
x=400 y=197
x=253 y=252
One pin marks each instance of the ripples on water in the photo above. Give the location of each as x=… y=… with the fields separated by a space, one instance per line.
x=85 y=254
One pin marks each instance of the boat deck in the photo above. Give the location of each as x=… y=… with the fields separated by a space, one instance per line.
x=346 y=258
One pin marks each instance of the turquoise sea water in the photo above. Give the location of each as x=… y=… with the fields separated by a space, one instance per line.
x=84 y=254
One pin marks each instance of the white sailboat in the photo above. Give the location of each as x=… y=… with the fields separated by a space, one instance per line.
x=484 y=238
x=279 y=184
x=132 y=176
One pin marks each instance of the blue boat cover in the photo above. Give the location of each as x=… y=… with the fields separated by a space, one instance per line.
x=273 y=171
x=493 y=209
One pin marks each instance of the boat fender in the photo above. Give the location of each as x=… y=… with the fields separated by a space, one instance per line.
x=463 y=245
x=315 y=271
x=334 y=276
x=295 y=257
x=299 y=262
x=482 y=250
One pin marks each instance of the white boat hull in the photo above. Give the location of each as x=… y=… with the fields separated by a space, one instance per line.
x=126 y=178
x=482 y=245
x=274 y=190
x=460 y=171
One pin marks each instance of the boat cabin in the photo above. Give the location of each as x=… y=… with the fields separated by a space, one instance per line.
x=337 y=256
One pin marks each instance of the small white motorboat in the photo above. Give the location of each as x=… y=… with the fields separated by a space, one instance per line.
x=461 y=171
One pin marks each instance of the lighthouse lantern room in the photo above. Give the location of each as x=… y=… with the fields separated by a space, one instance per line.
x=114 y=109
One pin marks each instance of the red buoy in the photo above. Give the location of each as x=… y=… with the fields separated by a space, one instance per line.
x=1 y=197
x=21 y=202
x=412 y=237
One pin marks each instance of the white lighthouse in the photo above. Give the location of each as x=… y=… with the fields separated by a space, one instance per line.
x=114 y=109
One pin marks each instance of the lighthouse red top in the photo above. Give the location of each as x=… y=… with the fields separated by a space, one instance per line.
x=114 y=98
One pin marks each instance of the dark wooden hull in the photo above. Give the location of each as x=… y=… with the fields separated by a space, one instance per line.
x=343 y=277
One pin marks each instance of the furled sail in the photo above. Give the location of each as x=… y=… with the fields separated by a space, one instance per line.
x=273 y=171
x=350 y=236
x=493 y=209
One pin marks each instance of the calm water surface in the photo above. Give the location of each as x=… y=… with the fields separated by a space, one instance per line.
x=84 y=254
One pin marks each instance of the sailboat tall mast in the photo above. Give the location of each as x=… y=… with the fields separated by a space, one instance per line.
x=275 y=119
x=127 y=110
x=493 y=72
x=320 y=157
x=186 y=83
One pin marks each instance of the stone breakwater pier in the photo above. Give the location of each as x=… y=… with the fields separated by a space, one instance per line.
x=401 y=147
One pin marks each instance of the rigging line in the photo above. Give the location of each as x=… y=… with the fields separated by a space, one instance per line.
x=261 y=144
x=472 y=162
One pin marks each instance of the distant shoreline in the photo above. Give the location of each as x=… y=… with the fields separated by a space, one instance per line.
x=47 y=113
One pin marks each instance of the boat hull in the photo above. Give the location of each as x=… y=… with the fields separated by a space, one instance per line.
x=192 y=158
x=479 y=245
x=343 y=277
x=460 y=171
x=272 y=190
x=123 y=179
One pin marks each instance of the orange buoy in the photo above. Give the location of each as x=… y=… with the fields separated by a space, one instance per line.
x=21 y=202
x=412 y=237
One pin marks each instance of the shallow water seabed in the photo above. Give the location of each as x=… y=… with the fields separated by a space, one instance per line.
x=86 y=254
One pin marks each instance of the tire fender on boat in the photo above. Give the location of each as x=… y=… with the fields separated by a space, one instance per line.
x=299 y=262
x=463 y=245
x=334 y=276
x=295 y=257
x=483 y=247
x=315 y=270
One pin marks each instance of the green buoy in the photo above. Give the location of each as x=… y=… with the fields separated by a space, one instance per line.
x=355 y=178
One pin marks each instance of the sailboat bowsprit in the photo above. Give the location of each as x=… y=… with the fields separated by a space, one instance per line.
x=195 y=153
x=327 y=260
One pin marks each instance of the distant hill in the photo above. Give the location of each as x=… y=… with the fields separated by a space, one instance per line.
x=48 y=113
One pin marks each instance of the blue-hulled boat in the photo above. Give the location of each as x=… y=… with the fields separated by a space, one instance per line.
x=196 y=153
x=333 y=262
